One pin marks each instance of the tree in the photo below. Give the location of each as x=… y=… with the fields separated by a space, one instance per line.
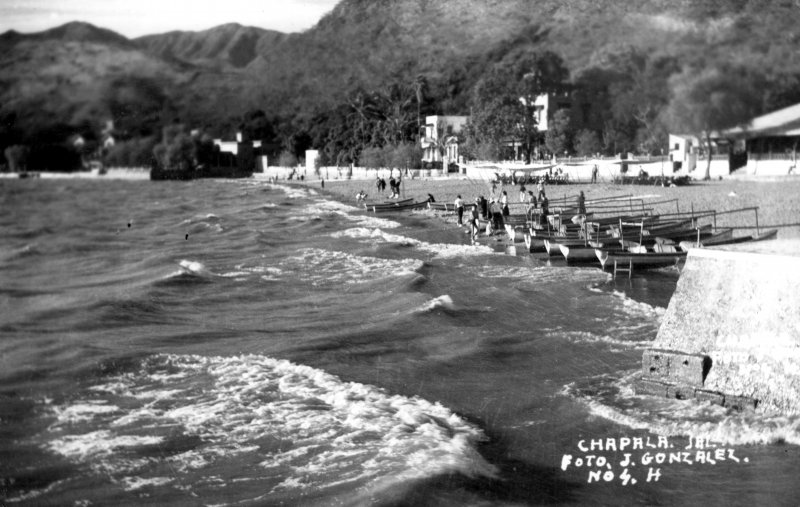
x=559 y=136
x=420 y=86
x=287 y=159
x=17 y=157
x=587 y=143
x=705 y=101
x=504 y=102
x=177 y=151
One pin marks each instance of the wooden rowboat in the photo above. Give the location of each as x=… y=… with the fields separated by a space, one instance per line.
x=610 y=258
x=398 y=206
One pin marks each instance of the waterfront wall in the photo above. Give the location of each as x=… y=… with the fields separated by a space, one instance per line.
x=739 y=308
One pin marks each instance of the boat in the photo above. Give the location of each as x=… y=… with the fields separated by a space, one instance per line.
x=670 y=256
x=405 y=204
x=729 y=240
x=582 y=253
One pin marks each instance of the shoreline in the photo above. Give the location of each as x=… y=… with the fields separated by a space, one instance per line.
x=778 y=201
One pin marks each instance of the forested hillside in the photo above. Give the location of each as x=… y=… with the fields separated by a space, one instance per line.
x=364 y=75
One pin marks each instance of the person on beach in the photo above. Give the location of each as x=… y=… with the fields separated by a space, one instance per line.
x=459 y=204
x=497 y=216
x=392 y=188
x=483 y=204
x=540 y=188
x=378 y=183
x=473 y=222
x=361 y=196
x=545 y=209
x=594 y=173
x=522 y=193
x=504 y=204
x=431 y=198
x=581 y=204
x=530 y=203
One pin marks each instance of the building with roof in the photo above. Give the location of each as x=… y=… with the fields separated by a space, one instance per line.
x=439 y=140
x=767 y=145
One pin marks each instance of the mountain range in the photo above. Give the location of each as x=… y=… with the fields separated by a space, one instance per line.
x=80 y=74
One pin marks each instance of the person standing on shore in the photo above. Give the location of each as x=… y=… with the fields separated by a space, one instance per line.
x=594 y=173
x=497 y=216
x=504 y=204
x=581 y=204
x=540 y=188
x=522 y=194
x=378 y=183
x=459 y=205
x=473 y=222
x=530 y=203
x=545 y=207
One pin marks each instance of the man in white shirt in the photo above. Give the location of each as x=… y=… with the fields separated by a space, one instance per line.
x=459 y=204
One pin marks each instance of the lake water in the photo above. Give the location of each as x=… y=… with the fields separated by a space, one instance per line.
x=242 y=343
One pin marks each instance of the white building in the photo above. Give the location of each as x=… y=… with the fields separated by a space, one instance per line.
x=233 y=146
x=439 y=142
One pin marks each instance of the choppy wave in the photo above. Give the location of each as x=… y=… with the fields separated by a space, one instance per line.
x=546 y=274
x=188 y=272
x=29 y=250
x=444 y=301
x=446 y=250
x=614 y=399
x=591 y=337
x=292 y=192
x=181 y=420
x=326 y=267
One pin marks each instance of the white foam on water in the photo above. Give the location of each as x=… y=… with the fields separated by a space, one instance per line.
x=443 y=250
x=589 y=337
x=305 y=428
x=638 y=308
x=682 y=418
x=443 y=301
x=560 y=275
x=192 y=267
x=291 y=192
x=327 y=267
x=243 y=271
x=85 y=411
x=373 y=222
x=134 y=483
x=95 y=444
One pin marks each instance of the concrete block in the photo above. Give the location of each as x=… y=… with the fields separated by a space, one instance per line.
x=690 y=369
x=712 y=397
x=655 y=364
x=650 y=387
x=680 y=392
x=741 y=403
x=676 y=367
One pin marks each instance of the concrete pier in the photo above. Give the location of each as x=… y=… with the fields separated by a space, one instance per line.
x=731 y=332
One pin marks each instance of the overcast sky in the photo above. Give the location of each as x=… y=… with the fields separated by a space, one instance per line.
x=133 y=18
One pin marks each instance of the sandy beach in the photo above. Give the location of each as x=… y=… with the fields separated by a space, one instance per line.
x=777 y=200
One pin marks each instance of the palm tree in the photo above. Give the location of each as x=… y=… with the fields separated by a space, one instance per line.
x=420 y=85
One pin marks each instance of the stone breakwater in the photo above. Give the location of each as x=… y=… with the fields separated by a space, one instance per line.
x=731 y=332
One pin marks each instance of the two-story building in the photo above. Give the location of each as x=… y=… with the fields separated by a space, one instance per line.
x=439 y=139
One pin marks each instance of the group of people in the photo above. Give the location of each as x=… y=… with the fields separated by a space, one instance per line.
x=394 y=186
x=496 y=208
